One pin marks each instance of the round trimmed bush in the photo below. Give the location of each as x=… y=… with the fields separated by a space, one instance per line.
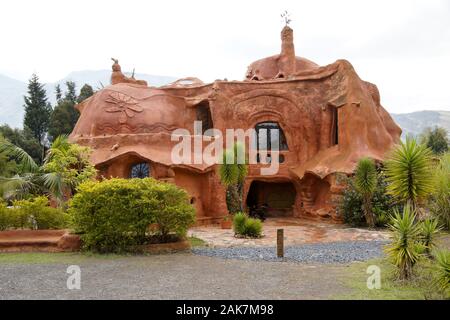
x=115 y=215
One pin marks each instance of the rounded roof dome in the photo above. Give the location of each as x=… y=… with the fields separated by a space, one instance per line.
x=269 y=68
x=283 y=65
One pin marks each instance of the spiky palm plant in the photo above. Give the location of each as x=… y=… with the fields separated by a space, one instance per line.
x=429 y=229
x=406 y=248
x=19 y=185
x=440 y=199
x=366 y=184
x=442 y=280
x=408 y=172
x=233 y=171
x=34 y=179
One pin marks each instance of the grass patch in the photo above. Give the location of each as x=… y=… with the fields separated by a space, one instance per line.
x=417 y=288
x=197 y=242
x=53 y=258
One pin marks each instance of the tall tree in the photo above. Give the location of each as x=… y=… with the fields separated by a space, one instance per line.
x=65 y=116
x=71 y=94
x=37 y=110
x=85 y=92
x=63 y=119
x=23 y=139
x=58 y=93
x=7 y=165
x=436 y=139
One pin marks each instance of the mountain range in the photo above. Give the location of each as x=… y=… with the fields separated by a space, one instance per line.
x=414 y=123
x=12 y=92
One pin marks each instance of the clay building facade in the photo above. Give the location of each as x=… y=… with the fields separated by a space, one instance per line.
x=328 y=118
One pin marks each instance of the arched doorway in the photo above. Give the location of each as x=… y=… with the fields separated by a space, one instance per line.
x=279 y=197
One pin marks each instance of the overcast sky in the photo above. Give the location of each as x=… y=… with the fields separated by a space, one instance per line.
x=403 y=46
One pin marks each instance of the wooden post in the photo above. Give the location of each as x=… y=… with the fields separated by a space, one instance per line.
x=280 y=243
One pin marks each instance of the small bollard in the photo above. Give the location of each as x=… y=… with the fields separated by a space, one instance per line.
x=280 y=243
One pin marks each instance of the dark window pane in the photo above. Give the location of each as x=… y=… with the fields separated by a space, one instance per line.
x=269 y=133
x=140 y=170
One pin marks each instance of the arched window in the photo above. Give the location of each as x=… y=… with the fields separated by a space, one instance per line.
x=140 y=170
x=268 y=134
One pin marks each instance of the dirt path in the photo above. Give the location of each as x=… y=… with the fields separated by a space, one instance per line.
x=177 y=276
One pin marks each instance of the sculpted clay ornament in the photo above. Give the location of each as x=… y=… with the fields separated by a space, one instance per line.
x=327 y=116
x=118 y=77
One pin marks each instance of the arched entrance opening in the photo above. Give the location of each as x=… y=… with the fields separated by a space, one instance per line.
x=278 y=197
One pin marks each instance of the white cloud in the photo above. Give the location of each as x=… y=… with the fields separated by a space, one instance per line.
x=403 y=46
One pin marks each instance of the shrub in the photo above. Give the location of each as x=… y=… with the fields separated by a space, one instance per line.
x=114 y=215
x=352 y=204
x=32 y=214
x=245 y=226
x=37 y=213
x=7 y=218
x=406 y=248
x=442 y=280
x=173 y=214
x=253 y=228
x=239 y=222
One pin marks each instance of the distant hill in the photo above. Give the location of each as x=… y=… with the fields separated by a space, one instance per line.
x=11 y=101
x=414 y=123
x=12 y=90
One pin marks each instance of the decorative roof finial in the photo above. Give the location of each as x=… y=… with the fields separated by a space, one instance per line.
x=286 y=17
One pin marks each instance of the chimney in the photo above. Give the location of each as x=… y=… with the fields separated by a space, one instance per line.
x=287 y=56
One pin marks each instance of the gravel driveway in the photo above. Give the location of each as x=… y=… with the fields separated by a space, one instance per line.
x=337 y=252
x=175 y=276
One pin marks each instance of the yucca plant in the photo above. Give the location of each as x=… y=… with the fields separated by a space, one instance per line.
x=233 y=171
x=442 y=280
x=408 y=172
x=366 y=184
x=440 y=199
x=429 y=228
x=406 y=248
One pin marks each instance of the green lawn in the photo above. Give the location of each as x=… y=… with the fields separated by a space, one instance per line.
x=197 y=242
x=420 y=286
x=50 y=258
x=355 y=278
x=69 y=257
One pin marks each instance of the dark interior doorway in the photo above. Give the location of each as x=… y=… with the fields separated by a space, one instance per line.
x=279 y=197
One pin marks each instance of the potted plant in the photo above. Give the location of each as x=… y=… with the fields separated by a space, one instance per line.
x=227 y=222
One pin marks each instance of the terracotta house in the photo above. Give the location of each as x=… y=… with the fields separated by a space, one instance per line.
x=327 y=117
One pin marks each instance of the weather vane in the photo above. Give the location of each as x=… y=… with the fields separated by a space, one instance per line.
x=286 y=16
